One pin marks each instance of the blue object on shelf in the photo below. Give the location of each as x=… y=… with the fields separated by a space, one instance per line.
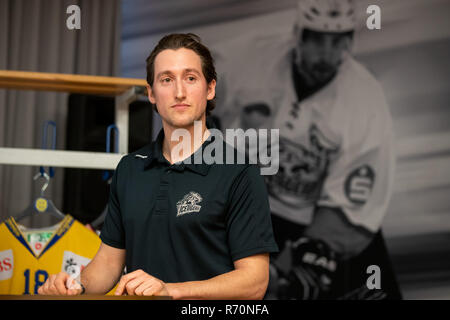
x=108 y=173
x=44 y=145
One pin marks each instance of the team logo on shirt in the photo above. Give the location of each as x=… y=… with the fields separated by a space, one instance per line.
x=6 y=264
x=189 y=203
x=303 y=169
x=359 y=184
x=73 y=263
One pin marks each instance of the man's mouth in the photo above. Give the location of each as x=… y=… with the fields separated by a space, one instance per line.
x=323 y=69
x=180 y=106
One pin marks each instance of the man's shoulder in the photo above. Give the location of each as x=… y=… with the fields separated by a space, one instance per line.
x=230 y=158
x=356 y=91
x=360 y=101
x=354 y=78
x=145 y=151
x=132 y=159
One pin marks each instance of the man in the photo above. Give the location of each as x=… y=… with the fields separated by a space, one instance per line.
x=182 y=229
x=336 y=165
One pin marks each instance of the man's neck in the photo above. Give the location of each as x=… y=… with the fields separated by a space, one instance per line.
x=198 y=133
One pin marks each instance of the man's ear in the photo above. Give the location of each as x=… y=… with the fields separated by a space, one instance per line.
x=150 y=94
x=211 y=90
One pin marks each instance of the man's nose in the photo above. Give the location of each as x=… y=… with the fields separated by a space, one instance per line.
x=180 y=90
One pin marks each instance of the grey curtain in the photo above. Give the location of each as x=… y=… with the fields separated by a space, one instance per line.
x=34 y=37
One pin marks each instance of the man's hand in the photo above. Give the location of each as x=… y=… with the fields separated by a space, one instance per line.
x=60 y=284
x=312 y=273
x=140 y=283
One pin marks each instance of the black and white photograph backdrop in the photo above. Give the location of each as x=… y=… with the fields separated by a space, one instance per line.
x=407 y=55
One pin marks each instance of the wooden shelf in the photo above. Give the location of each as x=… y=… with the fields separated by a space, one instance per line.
x=23 y=80
x=125 y=91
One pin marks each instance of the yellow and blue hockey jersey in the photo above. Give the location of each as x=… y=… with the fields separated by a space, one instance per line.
x=29 y=256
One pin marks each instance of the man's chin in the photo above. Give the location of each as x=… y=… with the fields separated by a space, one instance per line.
x=323 y=78
x=182 y=122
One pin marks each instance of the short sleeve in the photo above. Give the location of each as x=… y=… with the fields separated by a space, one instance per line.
x=112 y=232
x=249 y=226
x=360 y=179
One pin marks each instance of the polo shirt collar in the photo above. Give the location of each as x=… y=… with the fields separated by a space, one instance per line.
x=156 y=156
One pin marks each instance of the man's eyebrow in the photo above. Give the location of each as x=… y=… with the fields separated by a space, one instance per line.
x=191 y=70
x=168 y=72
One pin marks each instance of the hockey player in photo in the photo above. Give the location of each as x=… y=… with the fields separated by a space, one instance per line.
x=336 y=157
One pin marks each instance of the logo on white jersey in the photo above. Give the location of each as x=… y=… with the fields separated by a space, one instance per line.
x=189 y=203
x=6 y=264
x=302 y=169
x=73 y=263
x=359 y=184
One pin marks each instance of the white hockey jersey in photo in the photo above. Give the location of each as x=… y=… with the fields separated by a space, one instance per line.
x=336 y=146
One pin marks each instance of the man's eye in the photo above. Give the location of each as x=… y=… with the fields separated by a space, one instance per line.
x=165 y=80
x=191 y=78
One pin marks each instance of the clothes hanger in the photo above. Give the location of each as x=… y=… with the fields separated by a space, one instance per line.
x=42 y=204
x=107 y=174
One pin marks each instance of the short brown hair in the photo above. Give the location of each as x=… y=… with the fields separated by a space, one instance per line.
x=188 y=41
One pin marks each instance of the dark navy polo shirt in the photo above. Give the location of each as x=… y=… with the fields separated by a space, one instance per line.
x=185 y=222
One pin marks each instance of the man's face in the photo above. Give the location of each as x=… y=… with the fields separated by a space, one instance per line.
x=321 y=54
x=179 y=89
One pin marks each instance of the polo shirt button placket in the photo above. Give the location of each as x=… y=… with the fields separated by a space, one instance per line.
x=162 y=198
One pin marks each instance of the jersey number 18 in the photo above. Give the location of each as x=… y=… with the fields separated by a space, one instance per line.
x=40 y=276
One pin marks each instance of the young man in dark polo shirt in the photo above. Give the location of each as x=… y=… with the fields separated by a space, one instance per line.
x=182 y=228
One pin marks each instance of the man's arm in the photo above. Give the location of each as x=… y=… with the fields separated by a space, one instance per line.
x=99 y=276
x=103 y=272
x=331 y=226
x=309 y=264
x=248 y=281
